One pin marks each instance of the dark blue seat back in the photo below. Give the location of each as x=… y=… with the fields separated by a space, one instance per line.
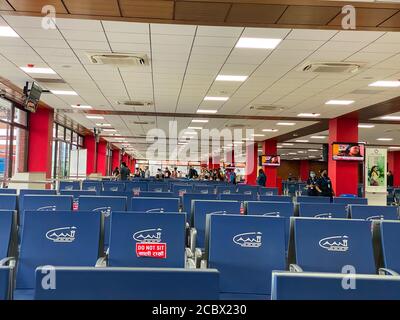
x=225 y=189
x=200 y=209
x=275 y=198
x=70 y=185
x=8 y=202
x=350 y=200
x=204 y=189
x=4 y=283
x=92 y=186
x=272 y=209
x=128 y=231
x=130 y=284
x=57 y=239
x=246 y=189
x=263 y=191
x=245 y=250
x=137 y=186
x=8 y=191
x=7 y=227
x=76 y=194
x=238 y=197
x=180 y=189
x=322 y=210
x=114 y=186
x=154 y=194
x=359 y=211
x=317 y=286
x=387 y=236
x=305 y=199
x=24 y=192
x=188 y=201
x=327 y=245
x=158 y=187
x=154 y=204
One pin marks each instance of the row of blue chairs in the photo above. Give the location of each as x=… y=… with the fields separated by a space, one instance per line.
x=241 y=253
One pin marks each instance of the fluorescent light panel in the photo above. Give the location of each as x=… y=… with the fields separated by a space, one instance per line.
x=6 y=31
x=64 y=92
x=206 y=111
x=209 y=98
x=366 y=126
x=79 y=106
x=309 y=115
x=317 y=137
x=95 y=117
x=286 y=124
x=258 y=43
x=199 y=120
x=340 y=102
x=221 y=77
x=270 y=130
x=384 y=139
x=38 y=70
x=394 y=118
x=385 y=84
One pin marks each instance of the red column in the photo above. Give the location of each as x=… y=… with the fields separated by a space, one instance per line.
x=251 y=164
x=394 y=166
x=214 y=162
x=102 y=157
x=90 y=146
x=270 y=149
x=344 y=174
x=304 y=169
x=40 y=141
x=116 y=158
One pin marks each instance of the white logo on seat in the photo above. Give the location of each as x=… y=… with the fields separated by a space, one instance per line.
x=378 y=217
x=272 y=214
x=323 y=215
x=114 y=189
x=149 y=235
x=65 y=234
x=47 y=208
x=248 y=240
x=68 y=188
x=160 y=210
x=335 y=243
x=157 y=190
x=104 y=210
x=93 y=188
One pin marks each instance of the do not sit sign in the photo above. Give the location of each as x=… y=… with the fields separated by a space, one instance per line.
x=151 y=250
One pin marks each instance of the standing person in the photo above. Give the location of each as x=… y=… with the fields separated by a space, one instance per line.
x=232 y=177
x=125 y=173
x=312 y=185
x=325 y=185
x=146 y=172
x=116 y=172
x=174 y=173
x=192 y=173
x=167 y=173
x=390 y=179
x=262 y=178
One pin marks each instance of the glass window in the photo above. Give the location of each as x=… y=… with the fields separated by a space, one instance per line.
x=4 y=149
x=60 y=132
x=55 y=130
x=74 y=138
x=5 y=110
x=80 y=141
x=19 y=150
x=68 y=137
x=20 y=117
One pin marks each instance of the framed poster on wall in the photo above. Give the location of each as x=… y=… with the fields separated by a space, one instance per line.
x=376 y=170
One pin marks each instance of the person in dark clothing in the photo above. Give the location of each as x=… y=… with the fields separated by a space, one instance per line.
x=325 y=185
x=125 y=172
x=312 y=185
x=262 y=178
x=192 y=173
x=116 y=172
x=390 y=179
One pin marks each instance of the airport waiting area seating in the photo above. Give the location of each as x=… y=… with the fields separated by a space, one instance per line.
x=139 y=204
x=359 y=211
x=321 y=210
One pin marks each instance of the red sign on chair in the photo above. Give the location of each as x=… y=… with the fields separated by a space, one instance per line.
x=151 y=250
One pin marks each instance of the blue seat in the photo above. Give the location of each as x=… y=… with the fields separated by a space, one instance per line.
x=359 y=211
x=386 y=235
x=317 y=286
x=56 y=239
x=204 y=189
x=348 y=195
x=245 y=250
x=327 y=245
x=155 y=194
x=24 y=192
x=275 y=198
x=8 y=202
x=303 y=199
x=154 y=204
x=180 y=189
x=104 y=205
x=225 y=189
x=157 y=187
x=5 y=283
x=238 y=197
x=8 y=242
x=291 y=188
x=92 y=186
x=35 y=202
x=350 y=200
x=70 y=185
x=263 y=191
x=137 y=186
x=322 y=210
x=76 y=194
x=114 y=186
x=130 y=284
x=8 y=191
x=200 y=209
x=246 y=189
x=188 y=201
x=131 y=234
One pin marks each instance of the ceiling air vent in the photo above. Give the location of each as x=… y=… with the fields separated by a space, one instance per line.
x=119 y=59
x=266 y=108
x=331 y=67
x=132 y=103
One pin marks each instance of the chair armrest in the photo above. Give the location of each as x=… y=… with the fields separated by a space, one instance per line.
x=192 y=239
x=189 y=253
x=101 y=262
x=295 y=268
x=10 y=261
x=203 y=264
x=190 y=264
x=387 y=272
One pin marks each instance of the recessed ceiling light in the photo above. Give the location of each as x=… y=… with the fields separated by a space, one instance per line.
x=302 y=141
x=309 y=115
x=6 y=31
x=258 y=135
x=292 y=153
x=238 y=142
x=387 y=84
x=195 y=128
x=394 y=147
x=38 y=70
x=366 y=126
x=340 y=102
x=258 y=43
x=216 y=98
x=317 y=137
x=191 y=133
x=95 y=117
x=200 y=120
x=64 y=92
x=231 y=78
x=394 y=118
x=110 y=130
x=279 y=147
x=313 y=150
x=285 y=124
x=103 y=124
x=79 y=106
x=269 y=130
x=384 y=139
x=287 y=144
x=206 y=111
